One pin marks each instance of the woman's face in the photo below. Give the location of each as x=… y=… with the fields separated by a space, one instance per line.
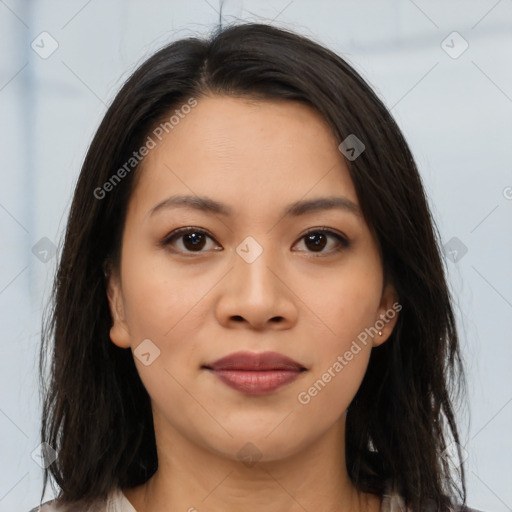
x=252 y=273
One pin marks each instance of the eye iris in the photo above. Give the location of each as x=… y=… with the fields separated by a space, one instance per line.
x=318 y=241
x=194 y=241
x=315 y=242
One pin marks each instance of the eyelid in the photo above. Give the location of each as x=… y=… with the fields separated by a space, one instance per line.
x=326 y=230
x=188 y=229
x=166 y=242
x=342 y=239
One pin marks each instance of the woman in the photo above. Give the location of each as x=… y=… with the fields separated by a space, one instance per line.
x=249 y=221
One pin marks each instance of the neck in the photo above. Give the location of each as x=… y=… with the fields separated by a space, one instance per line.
x=193 y=479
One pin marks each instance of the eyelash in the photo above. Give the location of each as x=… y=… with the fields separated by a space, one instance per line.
x=343 y=243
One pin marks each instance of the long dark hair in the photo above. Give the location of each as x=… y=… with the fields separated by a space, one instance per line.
x=96 y=411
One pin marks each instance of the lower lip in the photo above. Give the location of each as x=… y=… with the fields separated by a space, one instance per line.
x=256 y=382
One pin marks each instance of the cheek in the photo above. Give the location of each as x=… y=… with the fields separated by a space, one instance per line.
x=166 y=306
x=344 y=302
x=331 y=390
x=159 y=298
x=348 y=302
x=341 y=359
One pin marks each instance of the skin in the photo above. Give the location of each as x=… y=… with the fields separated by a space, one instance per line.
x=256 y=157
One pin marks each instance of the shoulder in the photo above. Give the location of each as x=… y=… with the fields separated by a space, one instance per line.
x=54 y=506
x=460 y=508
x=114 y=503
x=392 y=501
x=49 y=506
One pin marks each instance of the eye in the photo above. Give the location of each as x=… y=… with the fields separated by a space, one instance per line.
x=317 y=239
x=191 y=240
x=195 y=240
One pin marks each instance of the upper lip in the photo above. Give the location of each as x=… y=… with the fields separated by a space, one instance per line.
x=255 y=361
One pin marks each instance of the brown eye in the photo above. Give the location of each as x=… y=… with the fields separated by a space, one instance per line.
x=194 y=241
x=318 y=239
x=188 y=240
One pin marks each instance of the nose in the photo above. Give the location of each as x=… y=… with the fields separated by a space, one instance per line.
x=256 y=295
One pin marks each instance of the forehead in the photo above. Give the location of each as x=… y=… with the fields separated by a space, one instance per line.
x=245 y=151
x=249 y=128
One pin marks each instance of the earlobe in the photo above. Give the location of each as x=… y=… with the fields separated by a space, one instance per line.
x=119 y=333
x=387 y=314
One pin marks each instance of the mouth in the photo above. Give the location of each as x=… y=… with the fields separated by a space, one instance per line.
x=256 y=373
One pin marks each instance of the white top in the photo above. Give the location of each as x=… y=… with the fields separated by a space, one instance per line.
x=116 y=502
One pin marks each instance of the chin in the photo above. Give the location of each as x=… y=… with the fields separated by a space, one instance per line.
x=251 y=447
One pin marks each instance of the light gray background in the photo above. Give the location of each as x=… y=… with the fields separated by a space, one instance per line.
x=456 y=114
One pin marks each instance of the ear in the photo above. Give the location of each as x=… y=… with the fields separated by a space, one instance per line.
x=119 y=333
x=387 y=314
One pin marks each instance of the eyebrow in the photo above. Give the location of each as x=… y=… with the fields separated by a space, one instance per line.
x=295 y=209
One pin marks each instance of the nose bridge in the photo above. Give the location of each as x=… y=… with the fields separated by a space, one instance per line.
x=252 y=264
x=253 y=292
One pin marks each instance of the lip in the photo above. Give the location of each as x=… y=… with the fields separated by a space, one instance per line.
x=256 y=373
